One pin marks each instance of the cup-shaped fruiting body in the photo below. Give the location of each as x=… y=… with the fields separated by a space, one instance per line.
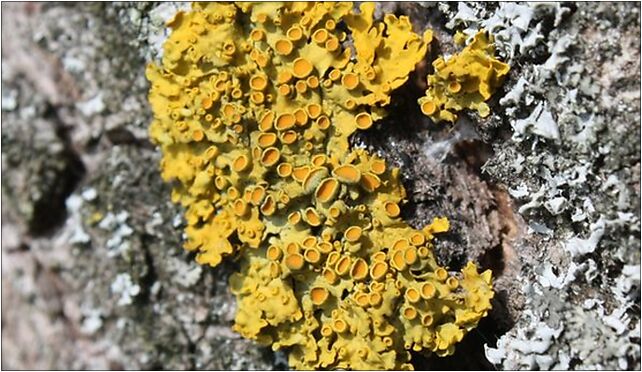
x=301 y=87
x=240 y=207
x=294 y=218
x=441 y=274
x=319 y=295
x=294 y=33
x=198 y=135
x=320 y=36
x=312 y=255
x=268 y=207
x=343 y=265
x=379 y=256
x=257 y=35
x=327 y=190
x=375 y=299
x=397 y=261
x=325 y=247
x=409 y=312
x=423 y=252
x=274 y=253
x=285 y=121
x=370 y=182
x=326 y=331
x=284 y=90
x=288 y=137
x=258 y=82
x=452 y=283
x=378 y=270
x=413 y=295
x=454 y=87
x=211 y=152
x=312 y=217
x=377 y=287
x=353 y=234
x=428 y=107
x=363 y=121
x=314 y=110
x=283 y=47
x=319 y=160
x=292 y=248
x=267 y=121
x=300 y=115
x=332 y=44
x=361 y=299
x=323 y=122
x=410 y=255
x=330 y=275
x=400 y=244
x=428 y=291
x=350 y=81
x=337 y=209
x=284 y=170
x=294 y=261
x=257 y=98
x=229 y=48
x=267 y=139
x=232 y=193
x=417 y=239
x=350 y=104
x=221 y=182
x=241 y=163
x=392 y=209
x=275 y=270
x=333 y=257
x=300 y=173
x=301 y=68
x=427 y=320
x=309 y=242
x=347 y=174
x=339 y=325
x=270 y=156
x=335 y=74
x=359 y=269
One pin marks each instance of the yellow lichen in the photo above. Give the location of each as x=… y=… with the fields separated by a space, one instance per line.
x=465 y=81
x=253 y=107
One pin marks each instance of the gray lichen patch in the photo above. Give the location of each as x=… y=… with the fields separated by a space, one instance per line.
x=582 y=205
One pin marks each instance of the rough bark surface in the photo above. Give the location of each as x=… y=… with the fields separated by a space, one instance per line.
x=93 y=273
